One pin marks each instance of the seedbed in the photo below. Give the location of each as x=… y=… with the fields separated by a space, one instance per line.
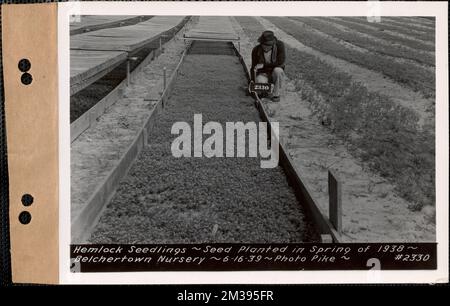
x=164 y=199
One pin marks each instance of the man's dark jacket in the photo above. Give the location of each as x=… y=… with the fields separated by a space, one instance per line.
x=278 y=58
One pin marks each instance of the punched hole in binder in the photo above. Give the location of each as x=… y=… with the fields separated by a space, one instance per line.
x=25 y=217
x=26 y=79
x=27 y=199
x=24 y=65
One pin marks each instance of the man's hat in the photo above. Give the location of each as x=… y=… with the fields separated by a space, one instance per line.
x=267 y=38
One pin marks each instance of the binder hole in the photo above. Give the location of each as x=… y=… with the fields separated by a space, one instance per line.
x=24 y=65
x=27 y=199
x=25 y=217
x=26 y=78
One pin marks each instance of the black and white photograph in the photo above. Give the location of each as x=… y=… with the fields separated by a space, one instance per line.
x=224 y=150
x=252 y=132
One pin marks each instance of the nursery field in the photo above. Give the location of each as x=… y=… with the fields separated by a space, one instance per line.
x=199 y=200
x=381 y=133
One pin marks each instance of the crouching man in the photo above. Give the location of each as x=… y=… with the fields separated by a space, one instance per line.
x=268 y=58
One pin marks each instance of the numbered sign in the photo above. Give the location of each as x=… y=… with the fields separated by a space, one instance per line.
x=260 y=87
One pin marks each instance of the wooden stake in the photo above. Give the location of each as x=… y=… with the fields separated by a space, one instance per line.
x=335 y=201
x=128 y=72
x=165 y=80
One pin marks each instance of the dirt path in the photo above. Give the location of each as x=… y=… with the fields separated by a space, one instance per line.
x=165 y=199
x=371 y=210
x=372 y=80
